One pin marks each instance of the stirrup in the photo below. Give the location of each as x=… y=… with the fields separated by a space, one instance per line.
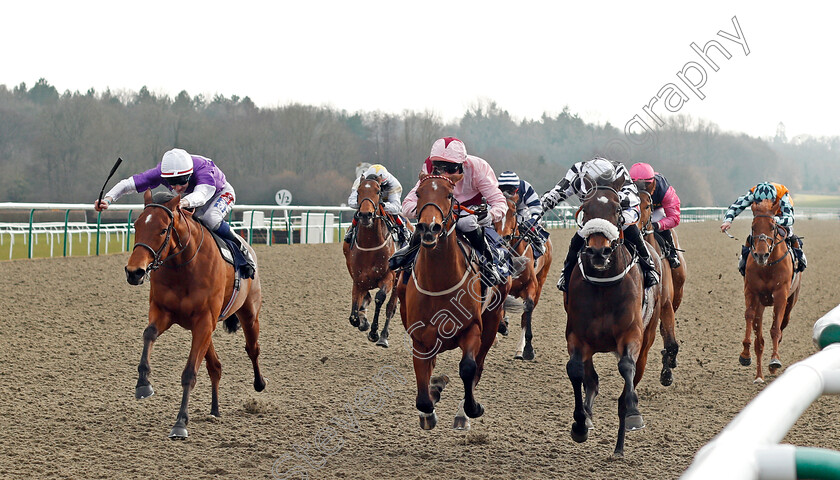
x=651 y=278
x=561 y=283
x=674 y=261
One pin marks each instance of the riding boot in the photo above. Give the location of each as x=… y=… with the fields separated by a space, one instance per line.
x=671 y=249
x=403 y=234
x=632 y=234
x=796 y=245
x=745 y=250
x=489 y=275
x=250 y=266
x=571 y=258
x=403 y=257
x=350 y=235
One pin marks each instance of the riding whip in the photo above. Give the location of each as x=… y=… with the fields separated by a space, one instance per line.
x=113 y=170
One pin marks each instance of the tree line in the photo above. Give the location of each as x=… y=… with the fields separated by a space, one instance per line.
x=58 y=147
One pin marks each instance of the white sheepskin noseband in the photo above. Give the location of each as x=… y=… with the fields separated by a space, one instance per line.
x=599 y=225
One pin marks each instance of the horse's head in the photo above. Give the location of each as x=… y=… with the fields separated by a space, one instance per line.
x=601 y=213
x=154 y=233
x=764 y=232
x=369 y=197
x=646 y=208
x=506 y=227
x=435 y=213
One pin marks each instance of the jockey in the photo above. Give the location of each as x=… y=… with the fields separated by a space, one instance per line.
x=202 y=186
x=780 y=195
x=392 y=204
x=665 y=205
x=449 y=155
x=579 y=180
x=528 y=209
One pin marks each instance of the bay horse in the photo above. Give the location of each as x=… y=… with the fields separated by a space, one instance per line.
x=769 y=281
x=673 y=280
x=193 y=289
x=529 y=284
x=604 y=309
x=367 y=261
x=443 y=303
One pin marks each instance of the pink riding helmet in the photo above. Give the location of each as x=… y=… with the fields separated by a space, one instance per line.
x=448 y=149
x=641 y=171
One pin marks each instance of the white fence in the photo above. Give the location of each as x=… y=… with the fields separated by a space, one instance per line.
x=266 y=224
x=748 y=449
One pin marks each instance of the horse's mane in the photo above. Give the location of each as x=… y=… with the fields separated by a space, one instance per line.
x=162 y=196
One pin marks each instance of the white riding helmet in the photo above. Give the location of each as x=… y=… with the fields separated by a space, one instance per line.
x=599 y=168
x=176 y=163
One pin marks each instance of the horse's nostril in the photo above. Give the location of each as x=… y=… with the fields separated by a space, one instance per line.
x=589 y=251
x=436 y=228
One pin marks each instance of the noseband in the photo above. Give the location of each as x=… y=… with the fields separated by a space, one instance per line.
x=157 y=261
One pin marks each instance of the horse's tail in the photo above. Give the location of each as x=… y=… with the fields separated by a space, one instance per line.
x=232 y=324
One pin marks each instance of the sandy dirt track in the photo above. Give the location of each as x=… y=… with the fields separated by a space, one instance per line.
x=72 y=337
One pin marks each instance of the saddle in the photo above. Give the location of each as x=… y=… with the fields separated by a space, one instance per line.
x=231 y=254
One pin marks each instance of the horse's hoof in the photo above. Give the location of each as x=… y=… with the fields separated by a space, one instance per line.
x=528 y=353
x=178 y=433
x=440 y=381
x=428 y=420
x=579 y=436
x=518 y=356
x=259 y=384
x=363 y=324
x=503 y=328
x=461 y=423
x=589 y=424
x=477 y=412
x=617 y=456
x=354 y=321
x=672 y=362
x=758 y=381
x=382 y=342
x=143 y=391
x=666 y=378
x=774 y=365
x=634 y=422
x=745 y=361
x=373 y=336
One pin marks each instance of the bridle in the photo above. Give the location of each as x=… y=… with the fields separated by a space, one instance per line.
x=648 y=225
x=374 y=204
x=157 y=261
x=447 y=216
x=579 y=214
x=768 y=240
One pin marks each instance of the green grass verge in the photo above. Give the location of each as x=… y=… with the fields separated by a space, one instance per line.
x=77 y=245
x=811 y=200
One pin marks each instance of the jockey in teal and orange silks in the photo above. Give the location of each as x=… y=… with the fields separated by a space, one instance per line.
x=779 y=195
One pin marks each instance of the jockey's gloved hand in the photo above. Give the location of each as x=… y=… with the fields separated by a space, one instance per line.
x=551 y=199
x=656 y=227
x=530 y=223
x=468 y=223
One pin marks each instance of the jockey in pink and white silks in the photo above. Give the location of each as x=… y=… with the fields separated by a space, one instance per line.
x=580 y=180
x=479 y=184
x=202 y=186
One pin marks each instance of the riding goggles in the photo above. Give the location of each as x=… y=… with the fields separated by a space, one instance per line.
x=180 y=180
x=447 y=167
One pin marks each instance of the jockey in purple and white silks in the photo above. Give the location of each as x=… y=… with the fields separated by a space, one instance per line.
x=202 y=186
x=580 y=180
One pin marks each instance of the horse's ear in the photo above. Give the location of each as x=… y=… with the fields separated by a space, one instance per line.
x=174 y=203
x=456 y=177
x=147 y=197
x=422 y=176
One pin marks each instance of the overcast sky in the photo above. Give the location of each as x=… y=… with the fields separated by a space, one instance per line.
x=605 y=60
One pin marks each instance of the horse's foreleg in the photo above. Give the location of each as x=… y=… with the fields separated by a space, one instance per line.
x=758 y=345
x=527 y=313
x=780 y=301
x=669 y=339
x=201 y=337
x=390 y=309
x=590 y=387
x=749 y=317
x=380 y=298
x=157 y=325
x=575 y=370
x=355 y=303
x=470 y=344
x=628 y=403
x=424 y=402
x=214 y=369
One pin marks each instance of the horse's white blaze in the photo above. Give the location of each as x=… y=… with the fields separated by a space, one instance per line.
x=603 y=199
x=148 y=218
